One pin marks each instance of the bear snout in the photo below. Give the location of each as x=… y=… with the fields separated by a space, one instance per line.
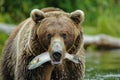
x=57 y=51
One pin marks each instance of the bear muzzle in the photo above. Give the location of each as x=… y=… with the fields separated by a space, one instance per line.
x=57 y=51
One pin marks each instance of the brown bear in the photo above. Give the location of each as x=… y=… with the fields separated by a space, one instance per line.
x=52 y=32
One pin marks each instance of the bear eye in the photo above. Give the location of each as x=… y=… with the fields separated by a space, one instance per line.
x=64 y=35
x=49 y=36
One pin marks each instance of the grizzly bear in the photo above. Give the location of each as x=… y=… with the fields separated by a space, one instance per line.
x=46 y=46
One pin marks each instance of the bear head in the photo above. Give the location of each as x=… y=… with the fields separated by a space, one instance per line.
x=58 y=32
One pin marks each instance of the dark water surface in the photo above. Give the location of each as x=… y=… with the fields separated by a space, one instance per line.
x=103 y=65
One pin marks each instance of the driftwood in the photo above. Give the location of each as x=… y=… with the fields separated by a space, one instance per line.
x=100 y=41
x=6 y=28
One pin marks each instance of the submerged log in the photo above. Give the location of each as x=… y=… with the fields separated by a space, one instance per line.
x=6 y=28
x=100 y=41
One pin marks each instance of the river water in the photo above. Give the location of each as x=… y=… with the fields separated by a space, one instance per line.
x=103 y=65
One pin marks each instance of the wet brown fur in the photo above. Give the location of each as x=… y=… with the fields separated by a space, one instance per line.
x=14 y=65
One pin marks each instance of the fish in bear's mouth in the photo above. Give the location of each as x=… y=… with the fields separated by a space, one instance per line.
x=55 y=54
x=45 y=57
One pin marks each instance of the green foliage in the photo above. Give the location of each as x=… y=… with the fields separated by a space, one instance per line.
x=18 y=10
x=107 y=22
x=3 y=37
x=107 y=25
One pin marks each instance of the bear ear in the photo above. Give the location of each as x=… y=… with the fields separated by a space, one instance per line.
x=37 y=15
x=77 y=16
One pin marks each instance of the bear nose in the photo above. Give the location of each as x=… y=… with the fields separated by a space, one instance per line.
x=57 y=55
